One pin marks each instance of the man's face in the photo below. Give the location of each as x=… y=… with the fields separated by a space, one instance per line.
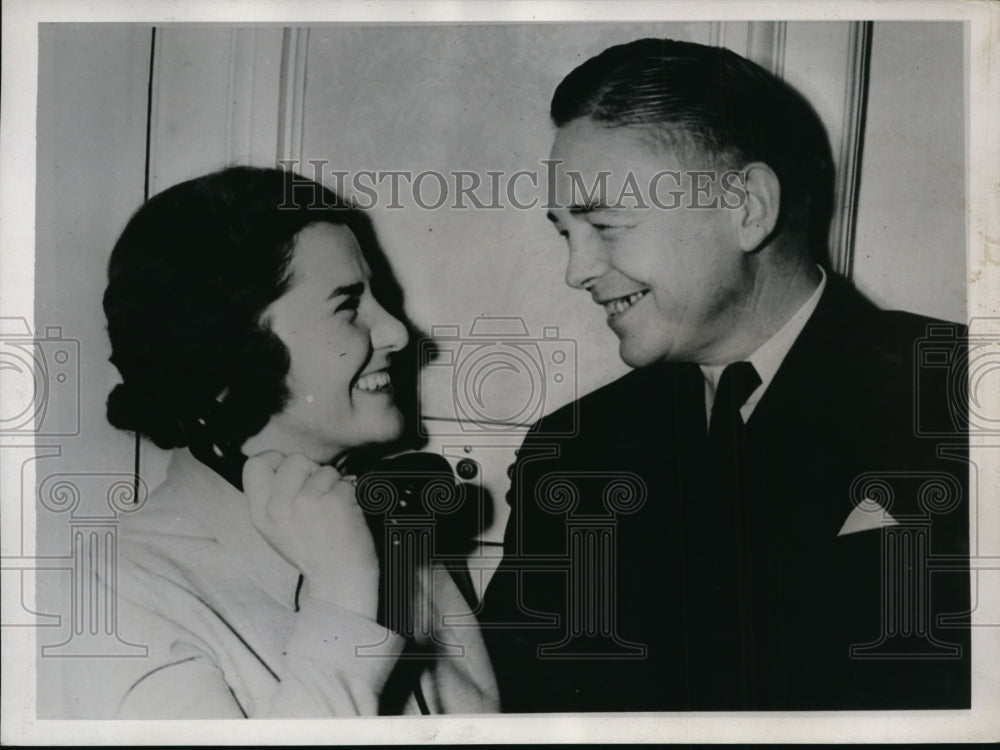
x=339 y=339
x=673 y=280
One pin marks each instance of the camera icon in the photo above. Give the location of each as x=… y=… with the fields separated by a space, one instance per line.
x=958 y=379
x=501 y=376
x=43 y=394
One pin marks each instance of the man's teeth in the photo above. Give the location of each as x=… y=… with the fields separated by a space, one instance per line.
x=616 y=306
x=373 y=382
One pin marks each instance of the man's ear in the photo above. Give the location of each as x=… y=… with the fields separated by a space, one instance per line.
x=757 y=217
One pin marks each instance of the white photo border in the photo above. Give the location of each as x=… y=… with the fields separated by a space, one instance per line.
x=17 y=201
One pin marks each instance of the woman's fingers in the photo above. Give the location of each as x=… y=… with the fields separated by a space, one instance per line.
x=260 y=469
x=274 y=482
x=288 y=481
x=258 y=481
x=320 y=481
x=310 y=515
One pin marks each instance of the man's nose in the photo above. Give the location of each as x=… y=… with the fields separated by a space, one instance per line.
x=586 y=263
x=388 y=332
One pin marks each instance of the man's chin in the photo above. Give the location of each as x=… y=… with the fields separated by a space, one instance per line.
x=637 y=357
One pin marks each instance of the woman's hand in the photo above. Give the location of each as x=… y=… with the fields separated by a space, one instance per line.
x=309 y=514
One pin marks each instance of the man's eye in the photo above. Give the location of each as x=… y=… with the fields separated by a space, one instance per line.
x=351 y=304
x=609 y=228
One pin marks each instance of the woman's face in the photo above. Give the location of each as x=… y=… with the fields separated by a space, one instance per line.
x=339 y=339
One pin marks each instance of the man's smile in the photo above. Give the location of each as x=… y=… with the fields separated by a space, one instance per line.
x=617 y=305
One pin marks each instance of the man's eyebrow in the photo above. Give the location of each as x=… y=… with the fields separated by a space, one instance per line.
x=583 y=209
x=590 y=208
x=348 y=290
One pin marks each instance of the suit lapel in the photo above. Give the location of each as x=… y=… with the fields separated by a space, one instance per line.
x=803 y=430
x=825 y=356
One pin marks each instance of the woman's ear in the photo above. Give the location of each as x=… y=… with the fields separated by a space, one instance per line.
x=757 y=217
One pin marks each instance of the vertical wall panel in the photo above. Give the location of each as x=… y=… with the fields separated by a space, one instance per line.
x=292 y=94
x=215 y=100
x=826 y=62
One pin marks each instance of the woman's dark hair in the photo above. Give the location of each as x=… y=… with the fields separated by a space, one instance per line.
x=725 y=106
x=188 y=280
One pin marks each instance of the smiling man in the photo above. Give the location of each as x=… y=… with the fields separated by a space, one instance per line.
x=744 y=521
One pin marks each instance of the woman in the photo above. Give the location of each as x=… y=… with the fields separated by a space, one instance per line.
x=242 y=319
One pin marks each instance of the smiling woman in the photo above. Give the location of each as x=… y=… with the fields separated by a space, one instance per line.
x=339 y=338
x=242 y=319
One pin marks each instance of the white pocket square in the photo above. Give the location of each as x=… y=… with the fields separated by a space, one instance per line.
x=867 y=515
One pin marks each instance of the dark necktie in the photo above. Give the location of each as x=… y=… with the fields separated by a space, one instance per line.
x=725 y=431
x=718 y=562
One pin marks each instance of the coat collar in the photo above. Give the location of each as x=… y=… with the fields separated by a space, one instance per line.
x=224 y=515
x=832 y=349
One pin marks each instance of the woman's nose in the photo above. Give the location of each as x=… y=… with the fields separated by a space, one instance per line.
x=388 y=332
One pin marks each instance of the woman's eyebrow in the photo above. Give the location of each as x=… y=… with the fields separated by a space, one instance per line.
x=349 y=290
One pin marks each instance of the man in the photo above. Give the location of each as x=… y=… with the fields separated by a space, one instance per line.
x=749 y=519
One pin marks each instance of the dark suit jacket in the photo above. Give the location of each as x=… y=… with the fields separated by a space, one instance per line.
x=617 y=602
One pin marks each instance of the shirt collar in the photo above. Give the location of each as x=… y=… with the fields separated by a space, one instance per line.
x=225 y=515
x=768 y=357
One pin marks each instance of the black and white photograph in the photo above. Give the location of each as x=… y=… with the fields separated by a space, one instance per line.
x=501 y=371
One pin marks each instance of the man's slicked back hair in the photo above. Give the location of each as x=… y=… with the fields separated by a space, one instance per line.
x=729 y=109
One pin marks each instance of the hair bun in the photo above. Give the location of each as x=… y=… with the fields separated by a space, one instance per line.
x=129 y=409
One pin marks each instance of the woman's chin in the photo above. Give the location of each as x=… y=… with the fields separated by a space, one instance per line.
x=388 y=427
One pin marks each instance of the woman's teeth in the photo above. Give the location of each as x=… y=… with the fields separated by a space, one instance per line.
x=620 y=305
x=375 y=381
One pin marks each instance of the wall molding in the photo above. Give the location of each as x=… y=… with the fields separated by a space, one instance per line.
x=850 y=148
x=292 y=94
x=766 y=45
x=252 y=99
x=716 y=34
x=760 y=41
